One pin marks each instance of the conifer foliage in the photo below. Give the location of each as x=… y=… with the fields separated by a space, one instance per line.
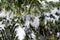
x=33 y=8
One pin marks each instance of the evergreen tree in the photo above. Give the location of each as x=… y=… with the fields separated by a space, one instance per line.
x=22 y=8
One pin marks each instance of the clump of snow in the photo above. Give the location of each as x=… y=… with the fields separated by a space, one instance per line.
x=2 y=26
x=33 y=35
x=2 y=13
x=35 y=23
x=53 y=0
x=58 y=34
x=20 y=33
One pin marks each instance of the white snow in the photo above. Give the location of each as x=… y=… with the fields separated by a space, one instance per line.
x=58 y=34
x=35 y=23
x=2 y=13
x=53 y=0
x=2 y=26
x=20 y=33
